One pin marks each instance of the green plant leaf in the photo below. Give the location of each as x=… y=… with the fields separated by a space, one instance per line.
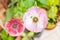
x=10 y=38
x=25 y=38
x=31 y=34
x=23 y=35
x=52 y=12
x=50 y=25
x=19 y=9
x=9 y=14
x=44 y=2
x=53 y=2
x=25 y=4
x=4 y=35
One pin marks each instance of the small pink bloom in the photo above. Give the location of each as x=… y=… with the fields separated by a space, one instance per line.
x=14 y=27
x=35 y=19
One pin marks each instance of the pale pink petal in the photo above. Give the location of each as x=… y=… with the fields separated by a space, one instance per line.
x=42 y=19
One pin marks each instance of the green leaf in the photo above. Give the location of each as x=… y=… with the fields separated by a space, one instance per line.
x=50 y=25
x=39 y=4
x=19 y=9
x=23 y=35
x=3 y=32
x=18 y=13
x=4 y=38
x=25 y=38
x=9 y=14
x=10 y=38
x=53 y=2
x=4 y=35
x=29 y=3
x=31 y=34
x=44 y=2
x=12 y=3
x=25 y=4
x=52 y=12
x=59 y=2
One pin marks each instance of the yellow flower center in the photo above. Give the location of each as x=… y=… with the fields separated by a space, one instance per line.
x=35 y=19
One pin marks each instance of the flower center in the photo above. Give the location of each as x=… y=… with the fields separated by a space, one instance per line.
x=14 y=26
x=35 y=19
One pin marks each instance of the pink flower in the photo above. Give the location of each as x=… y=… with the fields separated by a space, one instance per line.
x=14 y=27
x=35 y=19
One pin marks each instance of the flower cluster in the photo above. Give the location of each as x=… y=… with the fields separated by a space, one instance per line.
x=34 y=19
x=28 y=18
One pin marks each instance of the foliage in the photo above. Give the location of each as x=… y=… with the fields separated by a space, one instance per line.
x=17 y=8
